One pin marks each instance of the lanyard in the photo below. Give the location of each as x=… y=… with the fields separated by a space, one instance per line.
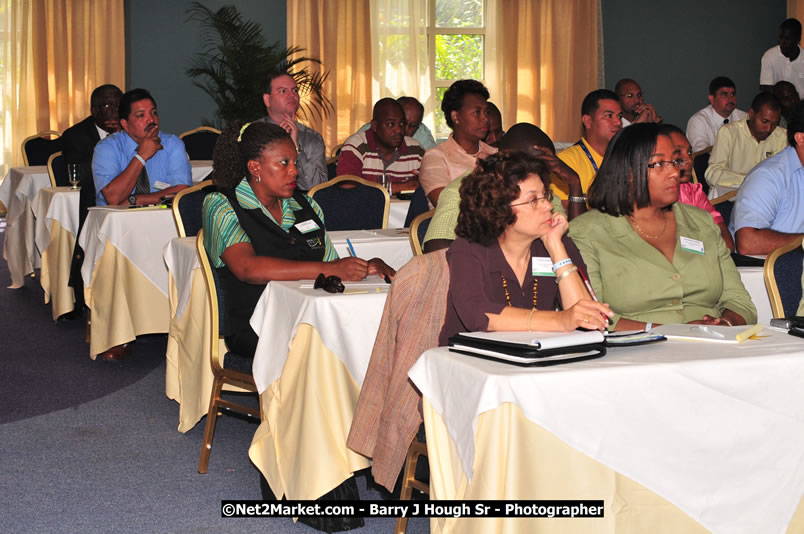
x=588 y=154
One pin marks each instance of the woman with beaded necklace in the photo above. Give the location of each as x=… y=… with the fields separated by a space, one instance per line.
x=511 y=266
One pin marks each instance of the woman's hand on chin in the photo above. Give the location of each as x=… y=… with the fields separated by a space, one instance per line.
x=586 y=314
x=349 y=269
x=379 y=267
x=559 y=227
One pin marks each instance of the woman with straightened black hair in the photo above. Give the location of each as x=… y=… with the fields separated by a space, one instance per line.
x=653 y=259
x=259 y=228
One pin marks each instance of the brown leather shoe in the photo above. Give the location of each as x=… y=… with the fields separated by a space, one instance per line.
x=116 y=354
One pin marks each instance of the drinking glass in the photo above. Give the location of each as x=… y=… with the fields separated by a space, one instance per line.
x=74 y=174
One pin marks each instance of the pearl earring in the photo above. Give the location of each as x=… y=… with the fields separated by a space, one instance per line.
x=258 y=179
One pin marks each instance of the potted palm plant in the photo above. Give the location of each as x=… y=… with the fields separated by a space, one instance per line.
x=235 y=61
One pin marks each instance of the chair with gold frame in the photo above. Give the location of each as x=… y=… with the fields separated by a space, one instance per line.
x=199 y=143
x=233 y=369
x=187 y=205
x=37 y=148
x=57 y=170
x=352 y=203
x=782 y=273
x=418 y=229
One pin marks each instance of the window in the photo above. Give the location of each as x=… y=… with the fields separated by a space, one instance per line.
x=457 y=39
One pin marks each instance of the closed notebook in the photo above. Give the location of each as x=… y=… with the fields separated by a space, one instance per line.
x=531 y=348
x=708 y=333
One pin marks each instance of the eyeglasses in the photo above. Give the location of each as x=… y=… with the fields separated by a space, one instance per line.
x=109 y=107
x=330 y=284
x=631 y=95
x=535 y=201
x=664 y=164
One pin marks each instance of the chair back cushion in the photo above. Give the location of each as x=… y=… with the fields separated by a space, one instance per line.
x=387 y=415
x=190 y=210
x=60 y=171
x=725 y=209
x=787 y=271
x=351 y=208
x=200 y=144
x=418 y=205
x=700 y=164
x=39 y=149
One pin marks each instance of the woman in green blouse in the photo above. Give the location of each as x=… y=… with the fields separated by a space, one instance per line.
x=651 y=258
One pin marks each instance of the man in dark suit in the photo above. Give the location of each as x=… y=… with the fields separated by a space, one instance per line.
x=78 y=147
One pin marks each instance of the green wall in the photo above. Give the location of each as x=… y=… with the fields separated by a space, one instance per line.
x=160 y=45
x=674 y=49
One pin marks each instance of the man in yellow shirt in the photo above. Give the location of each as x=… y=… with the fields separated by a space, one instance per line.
x=741 y=145
x=601 y=115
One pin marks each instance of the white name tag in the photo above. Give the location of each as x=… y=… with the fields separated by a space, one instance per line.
x=542 y=266
x=307 y=226
x=160 y=185
x=692 y=245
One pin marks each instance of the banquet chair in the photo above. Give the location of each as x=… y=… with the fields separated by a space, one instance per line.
x=387 y=415
x=57 y=170
x=38 y=148
x=418 y=205
x=416 y=450
x=418 y=229
x=352 y=203
x=782 y=272
x=187 y=206
x=724 y=205
x=700 y=161
x=199 y=143
x=236 y=369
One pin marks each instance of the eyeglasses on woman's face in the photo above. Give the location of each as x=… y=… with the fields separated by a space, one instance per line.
x=664 y=164
x=535 y=202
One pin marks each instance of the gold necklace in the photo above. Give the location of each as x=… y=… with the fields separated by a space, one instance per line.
x=643 y=232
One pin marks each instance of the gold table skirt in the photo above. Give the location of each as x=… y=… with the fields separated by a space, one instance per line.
x=518 y=459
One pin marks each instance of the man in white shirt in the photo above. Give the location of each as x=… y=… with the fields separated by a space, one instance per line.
x=784 y=61
x=632 y=101
x=722 y=109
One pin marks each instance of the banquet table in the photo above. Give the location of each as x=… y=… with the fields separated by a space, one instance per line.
x=397 y=212
x=17 y=191
x=188 y=378
x=310 y=362
x=125 y=278
x=673 y=437
x=56 y=224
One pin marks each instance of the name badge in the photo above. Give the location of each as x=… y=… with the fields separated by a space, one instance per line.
x=692 y=245
x=306 y=227
x=542 y=266
x=160 y=185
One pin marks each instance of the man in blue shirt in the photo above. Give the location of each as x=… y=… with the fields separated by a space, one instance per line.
x=121 y=158
x=769 y=210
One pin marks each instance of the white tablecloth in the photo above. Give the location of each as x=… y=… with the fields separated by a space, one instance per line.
x=54 y=204
x=714 y=429
x=139 y=234
x=392 y=245
x=754 y=282
x=347 y=324
x=397 y=212
x=17 y=191
x=181 y=259
x=201 y=168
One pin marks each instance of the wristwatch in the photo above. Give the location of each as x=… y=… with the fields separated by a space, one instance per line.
x=579 y=200
x=132 y=200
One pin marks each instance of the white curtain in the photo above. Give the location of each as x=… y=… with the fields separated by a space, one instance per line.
x=16 y=80
x=400 y=61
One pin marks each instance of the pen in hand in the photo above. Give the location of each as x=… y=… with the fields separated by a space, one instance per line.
x=588 y=285
x=351 y=248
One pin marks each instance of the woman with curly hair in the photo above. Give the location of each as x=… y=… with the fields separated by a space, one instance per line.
x=258 y=227
x=511 y=266
x=465 y=109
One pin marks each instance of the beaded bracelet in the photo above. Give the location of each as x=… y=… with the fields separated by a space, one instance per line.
x=559 y=264
x=578 y=200
x=566 y=274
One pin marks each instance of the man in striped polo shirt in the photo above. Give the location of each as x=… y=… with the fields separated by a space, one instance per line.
x=383 y=153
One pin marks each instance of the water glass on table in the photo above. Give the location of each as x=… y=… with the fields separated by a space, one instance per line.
x=74 y=174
